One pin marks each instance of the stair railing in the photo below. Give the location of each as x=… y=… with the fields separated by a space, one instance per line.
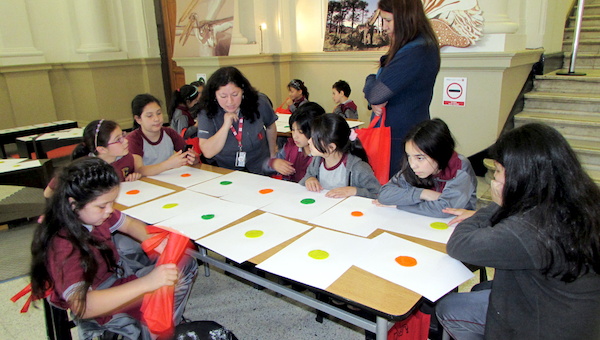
x=571 y=72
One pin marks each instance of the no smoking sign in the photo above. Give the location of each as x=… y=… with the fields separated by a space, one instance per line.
x=455 y=91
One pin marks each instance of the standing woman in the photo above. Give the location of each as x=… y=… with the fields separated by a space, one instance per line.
x=404 y=83
x=236 y=125
x=542 y=235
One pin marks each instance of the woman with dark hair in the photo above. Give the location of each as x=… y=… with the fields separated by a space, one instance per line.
x=542 y=234
x=404 y=83
x=236 y=125
x=433 y=175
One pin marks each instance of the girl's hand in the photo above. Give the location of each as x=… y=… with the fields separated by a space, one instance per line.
x=341 y=192
x=134 y=176
x=461 y=214
x=378 y=109
x=163 y=275
x=229 y=118
x=430 y=195
x=312 y=184
x=283 y=167
x=177 y=160
x=192 y=157
x=497 y=188
x=376 y=202
x=288 y=102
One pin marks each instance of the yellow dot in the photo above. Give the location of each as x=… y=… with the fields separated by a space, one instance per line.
x=318 y=254
x=254 y=233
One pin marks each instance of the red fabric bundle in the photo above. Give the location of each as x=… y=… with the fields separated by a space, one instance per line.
x=377 y=142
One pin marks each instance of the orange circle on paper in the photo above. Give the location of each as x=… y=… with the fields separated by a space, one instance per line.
x=265 y=191
x=357 y=213
x=406 y=261
x=133 y=192
x=186 y=175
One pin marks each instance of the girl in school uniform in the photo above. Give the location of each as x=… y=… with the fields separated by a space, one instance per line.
x=433 y=175
x=76 y=261
x=155 y=148
x=339 y=164
x=183 y=100
x=298 y=95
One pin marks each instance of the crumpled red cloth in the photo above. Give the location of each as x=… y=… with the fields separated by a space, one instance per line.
x=23 y=292
x=157 y=307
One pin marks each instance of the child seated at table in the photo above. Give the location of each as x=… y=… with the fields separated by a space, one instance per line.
x=345 y=106
x=156 y=148
x=339 y=164
x=294 y=157
x=433 y=175
x=298 y=96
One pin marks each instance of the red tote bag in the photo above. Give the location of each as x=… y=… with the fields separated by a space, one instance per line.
x=377 y=142
x=415 y=327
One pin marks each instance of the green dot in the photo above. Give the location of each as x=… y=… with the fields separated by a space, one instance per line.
x=439 y=225
x=254 y=233
x=208 y=216
x=170 y=205
x=318 y=254
x=225 y=182
x=308 y=201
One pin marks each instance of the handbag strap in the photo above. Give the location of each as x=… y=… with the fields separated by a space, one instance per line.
x=377 y=118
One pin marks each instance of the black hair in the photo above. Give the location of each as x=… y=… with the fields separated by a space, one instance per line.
x=79 y=183
x=181 y=97
x=331 y=128
x=198 y=83
x=299 y=85
x=433 y=137
x=138 y=104
x=96 y=133
x=304 y=116
x=222 y=77
x=545 y=182
x=342 y=86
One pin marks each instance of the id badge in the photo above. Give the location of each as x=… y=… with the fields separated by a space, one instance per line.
x=240 y=159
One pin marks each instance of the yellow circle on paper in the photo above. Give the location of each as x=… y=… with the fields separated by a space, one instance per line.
x=318 y=254
x=254 y=233
x=439 y=225
x=170 y=205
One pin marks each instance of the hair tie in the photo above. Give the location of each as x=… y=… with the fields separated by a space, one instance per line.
x=96 y=137
x=193 y=94
x=353 y=135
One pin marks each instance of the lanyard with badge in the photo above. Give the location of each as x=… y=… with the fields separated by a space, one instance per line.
x=240 y=156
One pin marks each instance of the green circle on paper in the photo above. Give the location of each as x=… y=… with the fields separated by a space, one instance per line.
x=318 y=254
x=439 y=225
x=254 y=233
x=208 y=216
x=226 y=182
x=308 y=201
x=170 y=205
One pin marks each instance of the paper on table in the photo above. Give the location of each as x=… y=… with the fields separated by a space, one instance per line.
x=207 y=217
x=11 y=161
x=62 y=134
x=302 y=204
x=428 y=228
x=318 y=258
x=166 y=207
x=355 y=215
x=283 y=123
x=185 y=176
x=245 y=240
x=136 y=192
x=261 y=193
x=20 y=166
x=232 y=182
x=410 y=265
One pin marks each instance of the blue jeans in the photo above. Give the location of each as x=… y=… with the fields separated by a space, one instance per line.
x=463 y=314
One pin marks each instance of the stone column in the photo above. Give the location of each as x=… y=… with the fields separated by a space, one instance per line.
x=94 y=27
x=16 y=39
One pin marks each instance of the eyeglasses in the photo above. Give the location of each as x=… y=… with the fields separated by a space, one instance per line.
x=119 y=140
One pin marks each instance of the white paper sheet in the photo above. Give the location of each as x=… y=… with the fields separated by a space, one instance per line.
x=428 y=228
x=236 y=181
x=318 y=258
x=136 y=192
x=185 y=176
x=8 y=162
x=355 y=215
x=423 y=270
x=302 y=204
x=207 y=217
x=166 y=207
x=261 y=193
x=250 y=238
x=19 y=166
x=62 y=134
x=283 y=123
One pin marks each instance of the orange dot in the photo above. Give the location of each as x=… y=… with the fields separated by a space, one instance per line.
x=406 y=261
x=133 y=192
x=186 y=175
x=265 y=191
x=356 y=213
